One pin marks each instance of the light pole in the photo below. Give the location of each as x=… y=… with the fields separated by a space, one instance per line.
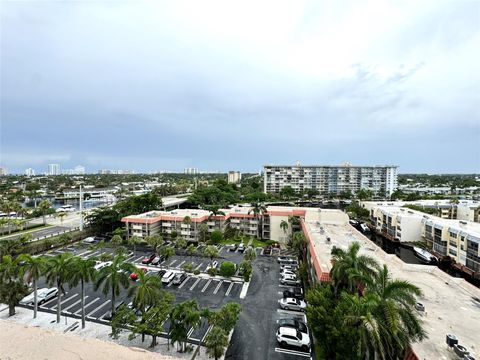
x=81 y=209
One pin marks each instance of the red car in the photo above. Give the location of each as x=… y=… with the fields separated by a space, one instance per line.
x=134 y=275
x=147 y=260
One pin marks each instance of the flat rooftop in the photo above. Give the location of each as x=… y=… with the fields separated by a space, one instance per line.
x=452 y=306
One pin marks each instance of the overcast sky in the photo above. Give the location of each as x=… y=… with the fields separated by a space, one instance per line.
x=220 y=85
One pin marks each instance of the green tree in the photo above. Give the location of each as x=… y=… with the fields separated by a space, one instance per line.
x=225 y=318
x=250 y=254
x=65 y=239
x=191 y=249
x=227 y=269
x=155 y=241
x=134 y=240
x=349 y=268
x=203 y=232
x=284 y=226
x=116 y=241
x=245 y=269
x=10 y=247
x=216 y=236
x=34 y=267
x=167 y=252
x=184 y=316
x=287 y=192
x=216 y=342
x=211 y=251
x=12 y=286
x=181 y=243
x=114 y=276
x=364 y=194
x=44 y=207
x=58 y=271
x=83 y=271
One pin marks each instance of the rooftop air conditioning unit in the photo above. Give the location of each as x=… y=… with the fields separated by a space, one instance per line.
x=451 y=340
x=460 y=350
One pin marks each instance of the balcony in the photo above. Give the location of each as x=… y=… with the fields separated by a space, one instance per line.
x=167 y=224
x=184 y=232
x=137 y=227
x=211 y=223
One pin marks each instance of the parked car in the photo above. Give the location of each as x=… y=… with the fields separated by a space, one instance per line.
x=289 y=280
x=148 y=259
x=285 y=272
x=157 y=260
x=134 y=275
x=286 y=260
x=289 y=267
x=241 y=247
x=161 y=273
x=293 y=323
x=101 y=264
x=213 y=264
x=168 y=277
x=292 y=304
x=179 y=278
x=268 y=250
x=294 y=292
x=88 y=240
x=293 y=337
x=233 y=247
x=43 y=295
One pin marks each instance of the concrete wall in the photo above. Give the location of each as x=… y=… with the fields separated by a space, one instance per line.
x=276 y=233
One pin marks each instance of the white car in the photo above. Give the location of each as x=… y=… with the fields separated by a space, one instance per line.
x=293 y=337
x=100 y=265
x=88 y=240
x=285 y=272
x=43 y=295
x=292 y=304
x=289 y=280
x=212 y=265
x=289 y=267
x=168 y=277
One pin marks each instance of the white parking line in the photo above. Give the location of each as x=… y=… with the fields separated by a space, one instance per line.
x=218 y=287
x=292 y=352
x=129 y=258
x=179 y=265
x=198 y=267
x=206 y=285
x=137 y=260
x=75 y=303
x=208 y=330
x=98 y=308
x=91 y=254
x=173 y=262
x=87 y=305
x=62 y=301
x=229 y=289
x=190 y=332
x=195 y=284
x=184 y=282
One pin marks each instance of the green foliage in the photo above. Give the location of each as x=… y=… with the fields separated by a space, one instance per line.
x=422 y=209
x=191 y=249
x=216 y=236
x=188 y=267
x=245 y=270
x=364 y=194
x=184 y=316
x=196 y=272
x=287 y=192
x=250 y=254
x=211 y=251
x=167 y=251
x=216 y=342
x=181 y=243
x=227 y=317
x=227 y=269
x=356 y=211
x=12 y=285
x=212 y=271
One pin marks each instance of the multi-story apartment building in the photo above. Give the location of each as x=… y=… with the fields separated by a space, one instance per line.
x=457 y=239
x=234 y=177
x=30 y=172
x=53 y=169
x=186 y=222
x=330 y=179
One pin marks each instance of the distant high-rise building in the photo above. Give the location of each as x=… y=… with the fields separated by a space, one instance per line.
x=3 y=171
x=79 y=170
x=190 y=171
x=234 y=177
x=30 y=172
x=330 y=179
x=53 y=169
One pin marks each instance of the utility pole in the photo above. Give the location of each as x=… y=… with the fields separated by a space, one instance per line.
x=81 y=209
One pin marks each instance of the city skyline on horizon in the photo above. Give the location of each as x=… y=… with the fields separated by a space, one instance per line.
x=171 y=92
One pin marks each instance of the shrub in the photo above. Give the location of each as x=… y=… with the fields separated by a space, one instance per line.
x=216 y=236
x=188 y=267
x=228 y=269
x=271 y=242
x=196 y=272
x=212 y=271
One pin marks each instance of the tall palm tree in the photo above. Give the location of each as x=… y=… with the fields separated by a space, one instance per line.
x=258 y=209
x=146 y=292
x=184 y=316
x=134 y=240
x=59 y=271
x=116 y=240
x=34 y=266
x=216 y=342
x=12 y=284
x=284 y=226
x=350 y=269
x=83 y=271
x=114 y=276
x=44 y=207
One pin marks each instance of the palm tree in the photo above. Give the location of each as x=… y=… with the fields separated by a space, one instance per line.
x=59 y=271
x=211 y=251
x=62 y=215
x=83 y=271
x=12 y=284
x=34 y=266
x=10 y=247
x=214 y=211
x=134 y=240
x=154 y=241
x=250 y=254
x=114 y=276
x=181 y=243
x=184 y=316
x=44 y=207
x=349 y=269
x=258 y=209
x=216 y=341
x=116 y=241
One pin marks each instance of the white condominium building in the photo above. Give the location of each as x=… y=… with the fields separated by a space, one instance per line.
x=234 y=177
x=330 y=179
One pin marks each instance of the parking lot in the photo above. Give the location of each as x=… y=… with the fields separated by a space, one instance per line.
x=254 y=335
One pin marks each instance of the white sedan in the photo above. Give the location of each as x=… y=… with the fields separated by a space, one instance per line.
x=43 y=295
x=292 y=304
